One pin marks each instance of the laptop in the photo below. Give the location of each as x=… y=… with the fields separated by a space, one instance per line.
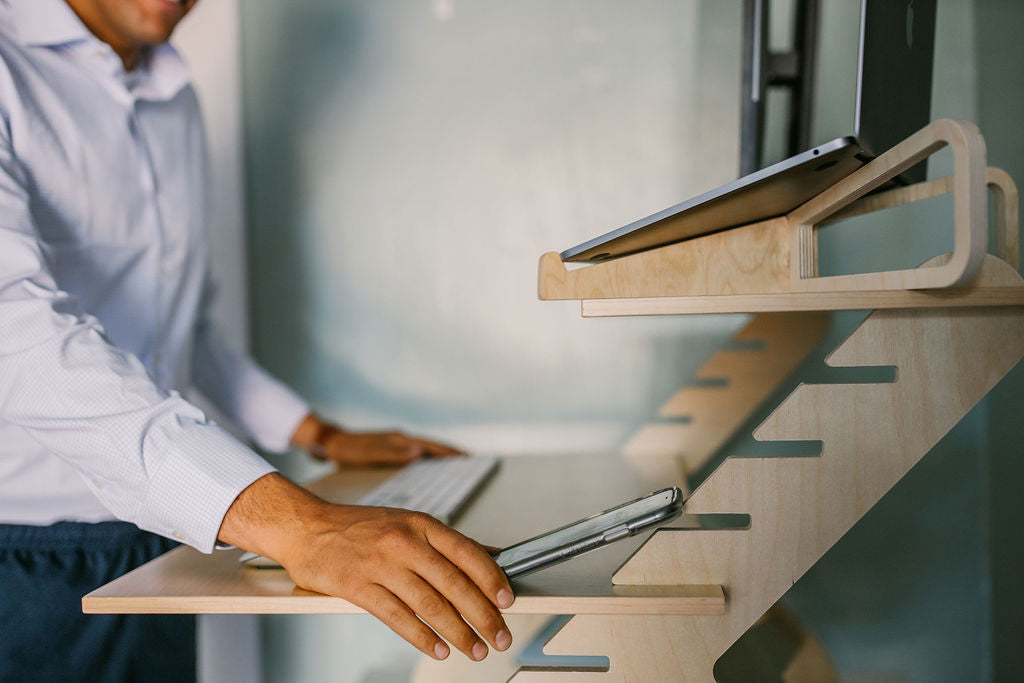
x=894 y=84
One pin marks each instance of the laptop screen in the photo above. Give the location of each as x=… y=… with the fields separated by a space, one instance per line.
x=894 y=81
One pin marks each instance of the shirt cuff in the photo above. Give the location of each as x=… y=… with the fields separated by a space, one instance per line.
x=192 y=490
x=283 y=410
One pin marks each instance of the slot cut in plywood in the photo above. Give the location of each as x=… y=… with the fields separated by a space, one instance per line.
x=716 y=410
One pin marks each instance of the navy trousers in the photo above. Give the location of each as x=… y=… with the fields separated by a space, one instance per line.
x=45 y=571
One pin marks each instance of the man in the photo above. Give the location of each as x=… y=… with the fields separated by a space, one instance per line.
x=103 y=301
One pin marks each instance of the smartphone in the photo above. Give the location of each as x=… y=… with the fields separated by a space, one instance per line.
x=587 y=534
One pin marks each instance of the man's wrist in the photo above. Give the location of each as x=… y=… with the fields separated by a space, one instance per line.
x=270 y=517
x=312 y=435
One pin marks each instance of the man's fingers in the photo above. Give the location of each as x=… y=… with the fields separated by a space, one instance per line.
x=396 y=456
x=383 y=604
x=467 y=598
x=433 y=608
x=474 y=562
x=432 y=448
x=383 y=448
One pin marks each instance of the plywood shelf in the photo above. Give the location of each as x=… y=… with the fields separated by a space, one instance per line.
x=772 y=265
x=527 y=494
x=974 y=295
x=187 y=582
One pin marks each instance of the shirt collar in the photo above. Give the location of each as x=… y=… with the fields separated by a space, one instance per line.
x=161 y=74
x=46 y=22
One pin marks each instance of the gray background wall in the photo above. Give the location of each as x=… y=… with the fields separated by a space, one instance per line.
x=999 y=25
x=407 y=162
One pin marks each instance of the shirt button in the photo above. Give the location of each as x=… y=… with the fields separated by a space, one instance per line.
x=97 y=483
x=178 y=535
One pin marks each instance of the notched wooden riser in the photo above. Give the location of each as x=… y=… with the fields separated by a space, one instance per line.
x=949 y=347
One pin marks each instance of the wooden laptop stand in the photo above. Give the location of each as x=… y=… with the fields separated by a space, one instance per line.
x=955 y=327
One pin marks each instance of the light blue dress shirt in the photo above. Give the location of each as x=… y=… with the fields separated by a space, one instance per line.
x=103 y=294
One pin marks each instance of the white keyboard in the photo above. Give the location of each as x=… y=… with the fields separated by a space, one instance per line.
x=437 y=486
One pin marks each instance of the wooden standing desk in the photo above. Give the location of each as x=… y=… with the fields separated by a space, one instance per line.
x=528 y=495
x=955 y=328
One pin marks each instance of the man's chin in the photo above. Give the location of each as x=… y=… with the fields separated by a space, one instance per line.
x=160 y=18
x=155 y=30
x=156 y=36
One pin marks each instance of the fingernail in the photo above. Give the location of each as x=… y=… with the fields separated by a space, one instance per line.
x=503 y=640
x=479 y=651
x=505 y=598
x=441 y=650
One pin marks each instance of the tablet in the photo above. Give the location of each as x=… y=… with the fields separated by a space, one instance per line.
x=591 y=533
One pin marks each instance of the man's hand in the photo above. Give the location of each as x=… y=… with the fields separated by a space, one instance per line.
x=406 y=568
x=325 y=441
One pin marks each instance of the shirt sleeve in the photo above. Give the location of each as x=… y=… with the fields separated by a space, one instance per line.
x=150 y=457
x=266 y=409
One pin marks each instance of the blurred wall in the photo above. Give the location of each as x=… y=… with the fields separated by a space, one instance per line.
x=408 y=163
x=998 y=27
